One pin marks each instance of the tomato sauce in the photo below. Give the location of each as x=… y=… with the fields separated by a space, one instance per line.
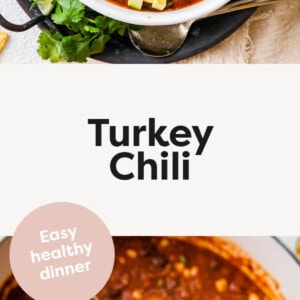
x=171 y=4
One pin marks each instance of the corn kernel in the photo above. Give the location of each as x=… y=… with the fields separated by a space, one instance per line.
x=221 y=285
x=125 y=279
x=121 y=260
x=179 y=266
x=131 y=253
x=186 y=273
x=194 y=270
x=164 y=243
x=136 y=294
x=253 y=296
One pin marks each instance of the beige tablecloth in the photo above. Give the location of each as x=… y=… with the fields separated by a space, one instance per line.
x=271 y=35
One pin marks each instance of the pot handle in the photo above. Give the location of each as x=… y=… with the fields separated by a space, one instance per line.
x=22 y=27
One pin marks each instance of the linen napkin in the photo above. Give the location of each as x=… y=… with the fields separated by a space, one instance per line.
x=271 y=35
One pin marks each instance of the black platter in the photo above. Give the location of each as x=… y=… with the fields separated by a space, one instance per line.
x=203 y=35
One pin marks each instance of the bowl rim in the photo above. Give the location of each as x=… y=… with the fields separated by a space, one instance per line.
x=146 y=18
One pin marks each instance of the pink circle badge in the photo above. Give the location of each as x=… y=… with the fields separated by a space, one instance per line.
x=62 y=251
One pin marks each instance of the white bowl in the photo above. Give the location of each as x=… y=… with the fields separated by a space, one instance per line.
x=277 y=259
x=131 y=16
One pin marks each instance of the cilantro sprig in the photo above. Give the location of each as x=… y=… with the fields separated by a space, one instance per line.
x=88 y=35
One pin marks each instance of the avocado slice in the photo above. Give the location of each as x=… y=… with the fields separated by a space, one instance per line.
x=159 y=4
x=136 y=4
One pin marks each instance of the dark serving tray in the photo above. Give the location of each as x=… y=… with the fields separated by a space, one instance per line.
x=203 y=35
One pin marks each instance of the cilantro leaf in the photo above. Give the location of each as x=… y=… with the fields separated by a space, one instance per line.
x=76 y=48
x=117 y=26
x=50 y=45
x=98 y=44
x=68 y=12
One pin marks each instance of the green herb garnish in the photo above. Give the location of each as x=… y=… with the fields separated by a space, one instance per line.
x=183 y=259
x=160 y=282
x=88 y=35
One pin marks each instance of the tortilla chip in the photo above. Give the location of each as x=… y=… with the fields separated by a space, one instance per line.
x=3 y=39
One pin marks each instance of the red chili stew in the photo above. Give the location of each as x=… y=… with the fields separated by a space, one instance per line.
x=157 y=268
x=163 y=268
